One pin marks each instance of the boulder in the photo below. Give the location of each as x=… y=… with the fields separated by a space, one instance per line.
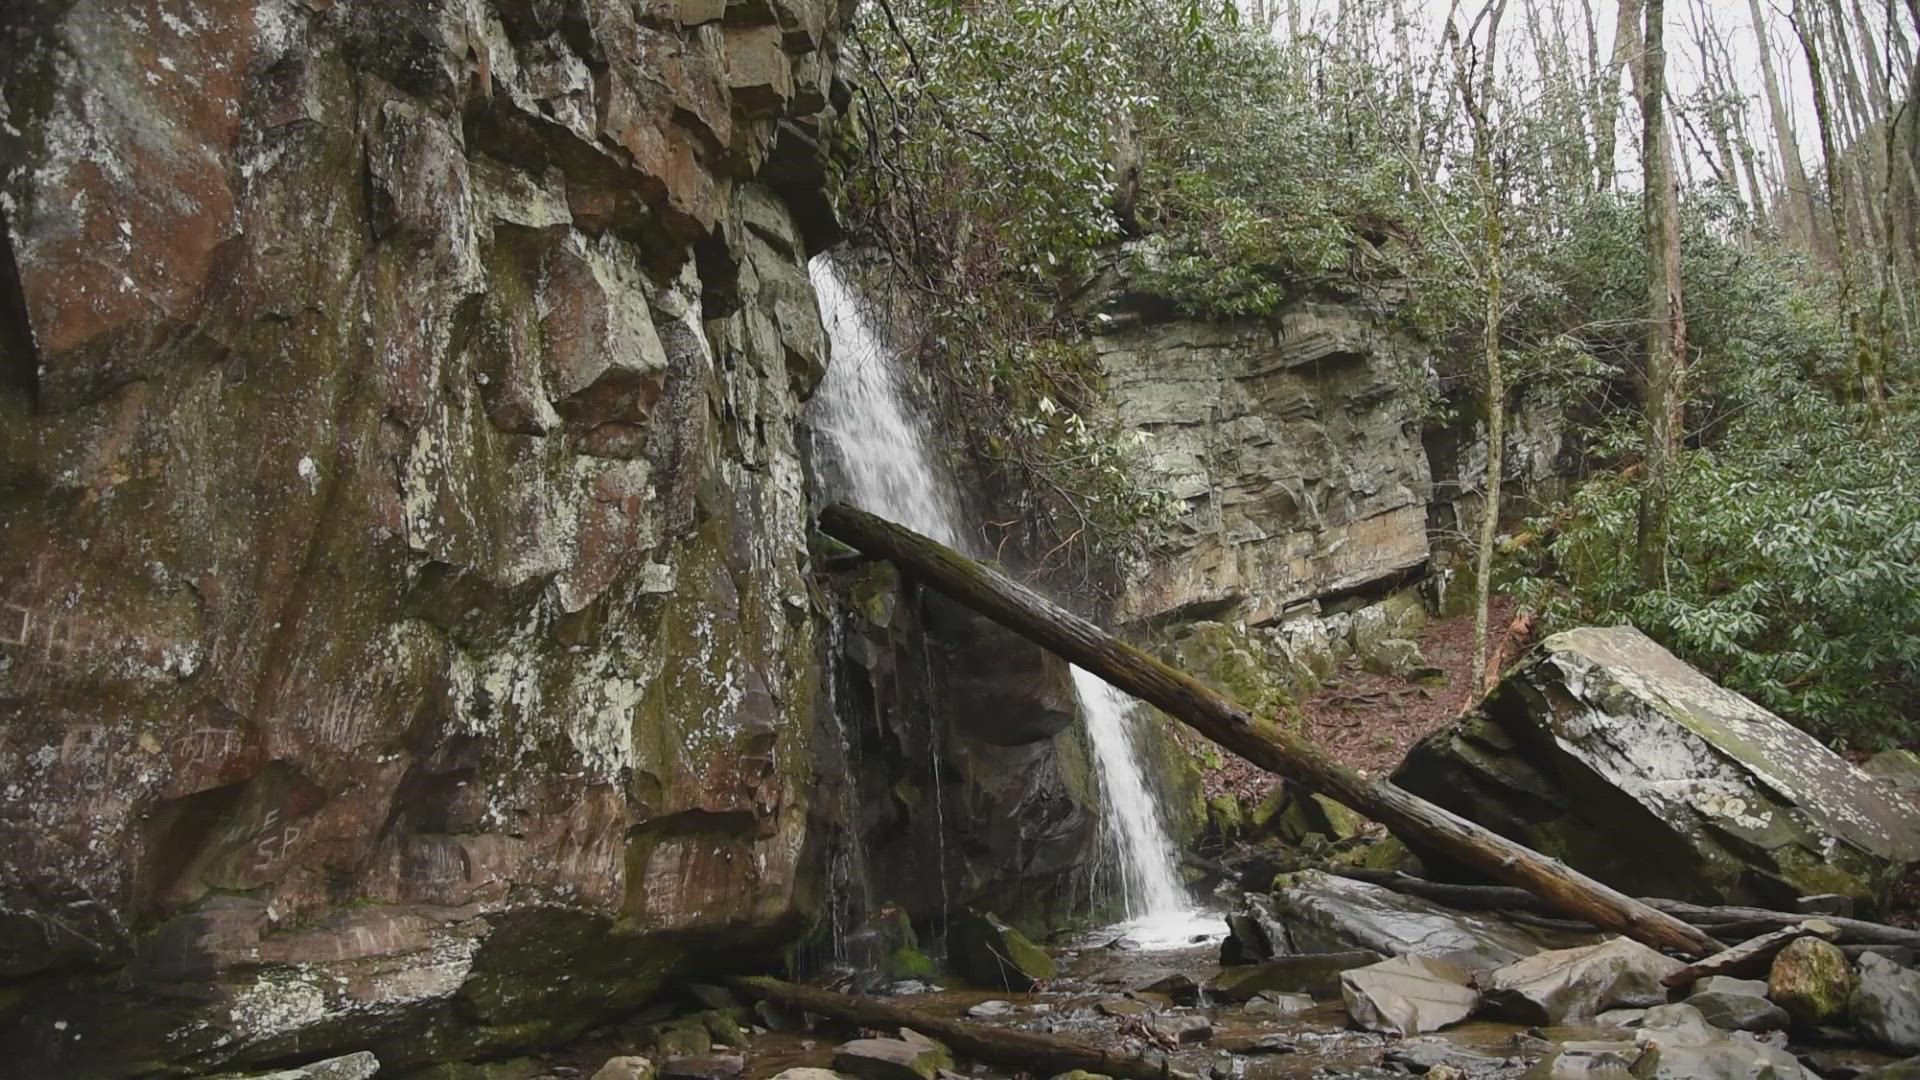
x=1272 y=1003
x=1407 y=995
x=1575 y=984
x=891 y=1059
x=987 y=952
x=1317 y=974
x=1422 y=1055
x=1600 y=734
x=1731 y=1011
x=1586 y=1061
x=1328 y=913
x=625 y=1068
x=703 y=1067
x=1897 y=769
x=1254 y=933
x=987 y=1010
x=1811 y=980
x=1753 y=956
x=1177 y=988
x=1122 y=1007
x=1886 y=1004
x=1676 y=1043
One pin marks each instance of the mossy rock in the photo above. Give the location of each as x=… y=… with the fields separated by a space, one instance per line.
x=907 y=962
x=987 y=952
x=1270 y=808
x=1226 y=816
x=723 y=1029
x=1812 y=980
x=688 y=1038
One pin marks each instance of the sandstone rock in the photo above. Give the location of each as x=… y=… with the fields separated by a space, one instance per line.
x=1326 y=913
x=1811 y=980
x=1886 y=1004
x=988 y=952
x=891 y=1059
x=1551 y=988
x=625 y=1068
x=1407 y=995
x=1317 y=974
x=1600 y=733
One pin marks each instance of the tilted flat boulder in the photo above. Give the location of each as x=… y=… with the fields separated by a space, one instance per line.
x=1575 y=984
x=1327 y=913
x=988 y=952
x=1408 y=995
x=1886 y=1004
x=1603 y=749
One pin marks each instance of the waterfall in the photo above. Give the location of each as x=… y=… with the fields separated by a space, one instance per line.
x=861 y=420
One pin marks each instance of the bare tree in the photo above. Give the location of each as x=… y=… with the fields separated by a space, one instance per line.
x=1667 y=321
x=1798 y=209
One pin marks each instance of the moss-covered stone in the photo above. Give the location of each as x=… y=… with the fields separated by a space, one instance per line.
x=987 y=952
x=1225 y=815
x=907 y=962
x=1812 y=980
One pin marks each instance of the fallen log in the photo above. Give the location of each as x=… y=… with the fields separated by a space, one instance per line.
x=1020 y=1051
x=1260 y=740
x=1734 y=923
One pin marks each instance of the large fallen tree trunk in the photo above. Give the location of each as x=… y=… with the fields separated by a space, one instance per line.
x=1021 y=1051
x=1257 y=739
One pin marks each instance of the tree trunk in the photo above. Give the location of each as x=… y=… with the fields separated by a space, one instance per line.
x=1798 y=209
x=1666 y=315
x=1608 y=122
x=1261 y=741
x=1019 y=1051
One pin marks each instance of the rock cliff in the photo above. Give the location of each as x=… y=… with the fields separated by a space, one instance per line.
x=404 y=642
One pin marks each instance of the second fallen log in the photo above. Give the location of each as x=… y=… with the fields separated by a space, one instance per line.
x=1258 y=739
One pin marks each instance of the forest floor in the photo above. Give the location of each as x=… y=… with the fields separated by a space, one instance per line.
x=1370 y=721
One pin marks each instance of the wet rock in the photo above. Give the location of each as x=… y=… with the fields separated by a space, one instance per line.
x=1827 y=904
x=1123 y=1007
x=808 y=1074
x=1727 y=984
x=1326 y=913
x=1586 y=1061
x=891 y=1059
x=356 y=1066
x=1601 y=734
x=723 y=1029
x=1678 y=1044
x=1886 y=1004
x=703 y=1067
x=989 y=1009
x=1177 y=988
x=1407 y=995
x=1182 y=1028
x=988 y=952
x=1254 y=933
x=1569 y=984
x=1732 y=1011
x=1832 y=1065
x=1753 y=956
x=1811 y=979
x=625 y=1068
x=1317 y=974
x=1899 y=1070
x=1620 y=1018
x=1423 y=1055
x=1080 y=1074
x=1273 y=1044
x=1269 y=1003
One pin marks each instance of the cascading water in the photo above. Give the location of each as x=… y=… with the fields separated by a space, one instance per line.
x=859 y=414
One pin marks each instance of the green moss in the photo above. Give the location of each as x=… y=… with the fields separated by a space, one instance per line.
x=907 y=962
x=1226 y=816
x=724 y=1030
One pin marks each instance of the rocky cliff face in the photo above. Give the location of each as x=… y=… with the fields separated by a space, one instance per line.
x=404 y=640
x=1295 y=450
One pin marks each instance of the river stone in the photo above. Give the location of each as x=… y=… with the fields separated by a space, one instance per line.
x=986 y=1010
x=891 y=1059
x=1269 y=1003
x=1811 y=980
x=1886 y=1004
x=1731 y=1011
x=1182 y=1028
x=1327 y=913
x=1573 y=984
x=1407 y=995
x=987 y=952
x=1123 y=1007
x=1423 y=1055
x=630 y=1067
x=1254 y=933
x=355 y=1066
x=1317 y=974
x=1753 y=956
x=1586 y=1061
x=1177 y=988
x=1678 y=1044
x=1727 y=984
x=703 y=1067
x=1600 y=735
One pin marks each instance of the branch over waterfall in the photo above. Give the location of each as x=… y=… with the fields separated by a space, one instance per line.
x=1257 y=739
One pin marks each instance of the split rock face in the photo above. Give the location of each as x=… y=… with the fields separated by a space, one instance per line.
x=401 y=524
x=1607 y=751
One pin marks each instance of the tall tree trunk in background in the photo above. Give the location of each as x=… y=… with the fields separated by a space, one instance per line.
x=1478 y=101
x=1667 y=321
x=1798 y=209
x=1865 y=357
x=1607 y=124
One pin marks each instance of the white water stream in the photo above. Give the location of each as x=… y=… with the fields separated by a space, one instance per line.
x=860 y=413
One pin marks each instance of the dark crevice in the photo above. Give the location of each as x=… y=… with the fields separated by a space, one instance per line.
x=19 y=358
